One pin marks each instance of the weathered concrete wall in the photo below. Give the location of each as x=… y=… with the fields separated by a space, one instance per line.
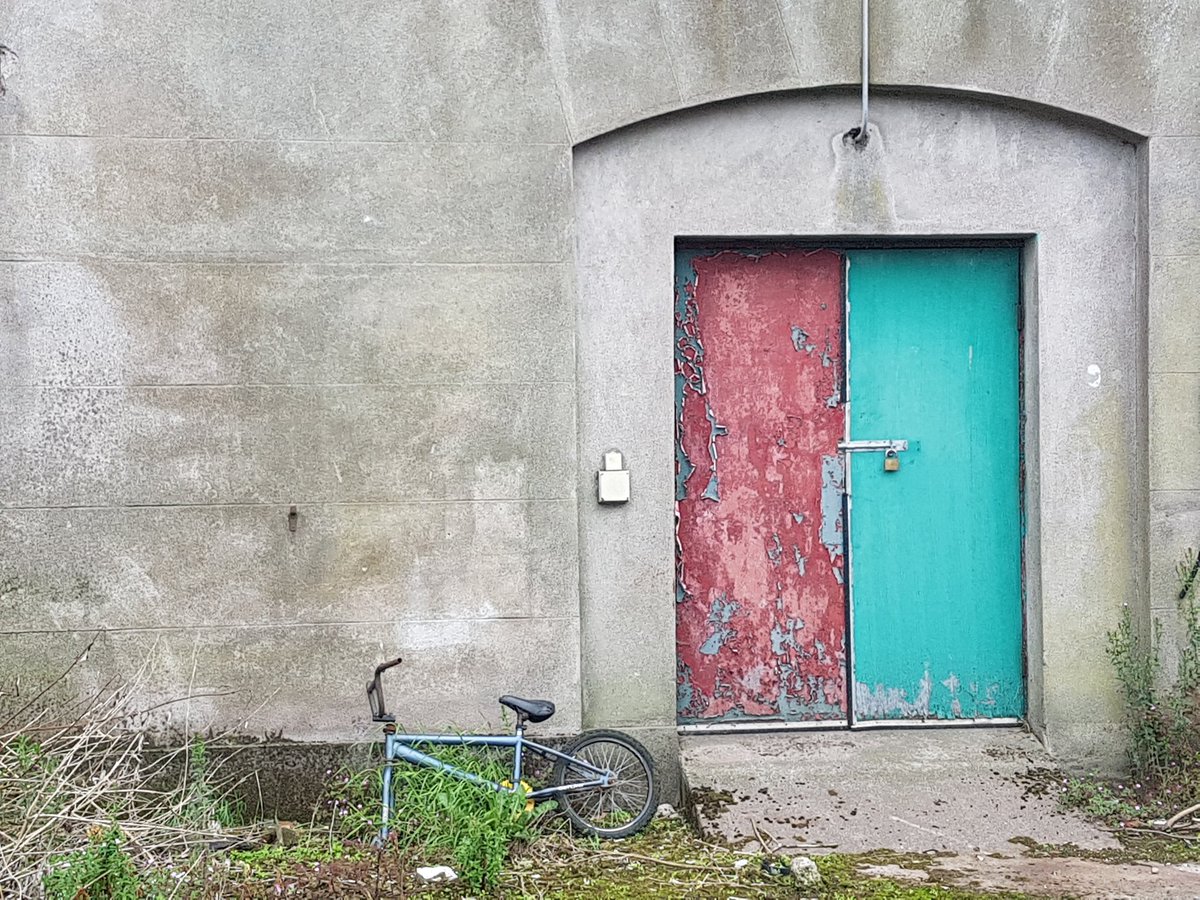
x=263 y=253
x=276 y=253
x=934 y=166
x=1133 y=66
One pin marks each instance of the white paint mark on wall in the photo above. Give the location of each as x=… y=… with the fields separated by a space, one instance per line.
x=1094 y=376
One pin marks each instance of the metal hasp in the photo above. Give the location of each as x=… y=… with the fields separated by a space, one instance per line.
x=612 y=481
x=863 y=446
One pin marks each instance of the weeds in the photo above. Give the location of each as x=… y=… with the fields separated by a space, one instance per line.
x=1160 y=718
x=448 y=820
x=1137 y=663
x=86 y=803
x=1164 y=743
x=1101 y=800
x=88 y=809
x=102 y=869
x=207 y=803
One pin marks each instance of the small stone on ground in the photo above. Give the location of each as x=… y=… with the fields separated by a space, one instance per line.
x=805 y=873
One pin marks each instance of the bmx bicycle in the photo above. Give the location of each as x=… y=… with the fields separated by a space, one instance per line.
x=603 y=781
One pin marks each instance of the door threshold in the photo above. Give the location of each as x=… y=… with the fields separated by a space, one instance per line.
x=746 y=726
x=1007 y=722
x=751 y=726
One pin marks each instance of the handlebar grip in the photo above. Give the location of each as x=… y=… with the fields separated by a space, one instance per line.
x=384 y=666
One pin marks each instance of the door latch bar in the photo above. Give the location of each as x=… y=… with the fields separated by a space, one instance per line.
x=863 y=446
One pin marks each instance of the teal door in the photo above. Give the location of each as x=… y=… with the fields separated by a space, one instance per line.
x=935 y=546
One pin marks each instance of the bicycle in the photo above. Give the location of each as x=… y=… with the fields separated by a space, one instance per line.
x=612 y=796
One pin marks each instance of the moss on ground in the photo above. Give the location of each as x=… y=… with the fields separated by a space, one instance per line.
x=844 y=879
x=1135 y=848
x=667 y=860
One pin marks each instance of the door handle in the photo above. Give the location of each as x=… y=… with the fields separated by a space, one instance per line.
x=875 y=446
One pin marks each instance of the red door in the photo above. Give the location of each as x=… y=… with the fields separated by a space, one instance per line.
x=761 y=614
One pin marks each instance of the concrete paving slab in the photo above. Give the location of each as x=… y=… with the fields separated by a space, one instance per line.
x=1055 y=877
x=952 y=790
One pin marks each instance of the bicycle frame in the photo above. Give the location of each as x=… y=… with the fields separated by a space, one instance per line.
x=399 y=746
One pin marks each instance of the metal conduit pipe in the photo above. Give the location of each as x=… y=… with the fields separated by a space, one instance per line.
x=859 y=134
x=866 y=67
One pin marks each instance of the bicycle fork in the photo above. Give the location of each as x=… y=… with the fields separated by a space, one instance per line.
x=388 y=742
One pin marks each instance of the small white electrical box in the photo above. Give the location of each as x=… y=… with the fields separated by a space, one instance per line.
x=612 y=481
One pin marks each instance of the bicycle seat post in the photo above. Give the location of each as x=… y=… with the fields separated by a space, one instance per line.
x=518 y=749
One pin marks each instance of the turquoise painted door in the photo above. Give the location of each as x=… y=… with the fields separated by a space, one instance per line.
x=935 y=547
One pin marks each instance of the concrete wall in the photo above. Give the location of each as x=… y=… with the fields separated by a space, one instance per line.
x=271 y=253
x=276 y=253
x=934 y=166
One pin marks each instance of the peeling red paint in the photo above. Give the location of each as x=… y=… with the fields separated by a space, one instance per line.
x=761 y=606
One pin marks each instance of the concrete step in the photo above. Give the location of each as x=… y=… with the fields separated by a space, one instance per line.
x=956 y=790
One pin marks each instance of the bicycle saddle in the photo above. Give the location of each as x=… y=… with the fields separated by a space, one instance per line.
x=533 y=710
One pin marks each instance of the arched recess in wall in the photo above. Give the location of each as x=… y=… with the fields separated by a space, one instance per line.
x=938 y=167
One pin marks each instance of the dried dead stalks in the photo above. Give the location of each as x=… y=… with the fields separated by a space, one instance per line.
x=68 y=775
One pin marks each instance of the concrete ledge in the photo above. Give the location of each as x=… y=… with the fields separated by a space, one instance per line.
x=959 y=790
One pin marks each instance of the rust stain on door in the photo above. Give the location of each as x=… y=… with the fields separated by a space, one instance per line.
x=760 y=603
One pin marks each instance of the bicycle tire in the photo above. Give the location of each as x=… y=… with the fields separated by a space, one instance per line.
x=630 y=802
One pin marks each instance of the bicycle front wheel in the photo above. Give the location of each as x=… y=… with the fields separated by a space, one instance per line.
x=627 y=804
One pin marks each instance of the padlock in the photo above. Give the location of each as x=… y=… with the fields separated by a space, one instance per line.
x=891 y=461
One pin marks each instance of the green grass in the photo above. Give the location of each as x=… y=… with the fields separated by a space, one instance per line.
x=1162 y=724
x=100 y=871
x=438 y=818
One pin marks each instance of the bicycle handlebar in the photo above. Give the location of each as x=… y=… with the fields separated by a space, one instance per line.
x=384 y=666
x=379 y=711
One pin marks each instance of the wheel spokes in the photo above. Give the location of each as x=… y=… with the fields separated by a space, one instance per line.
x=625 y=798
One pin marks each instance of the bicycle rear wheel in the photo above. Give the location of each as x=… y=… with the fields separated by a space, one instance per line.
x=627 y=804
